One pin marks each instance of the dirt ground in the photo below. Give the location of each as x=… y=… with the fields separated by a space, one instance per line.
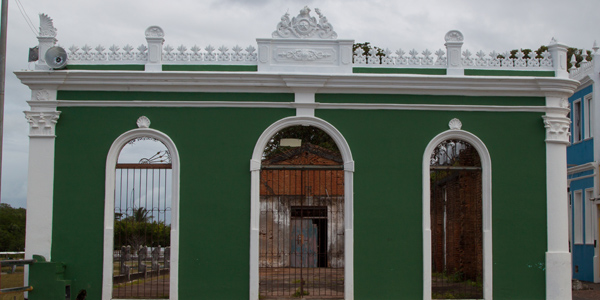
x=591 y=291
x=317 y=283
x=158 y=287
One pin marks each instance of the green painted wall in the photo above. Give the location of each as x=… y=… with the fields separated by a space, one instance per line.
x=388 y=146
x=215 y=146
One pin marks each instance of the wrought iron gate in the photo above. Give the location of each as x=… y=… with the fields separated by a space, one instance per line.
x=142 y=228
x=302 y=232
x=456 y=222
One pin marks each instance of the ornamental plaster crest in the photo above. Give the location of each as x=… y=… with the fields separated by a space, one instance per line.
x=455 y=124
x=42 y=123
x=304 y=26
x=454 y=36
x=557 y=129
x=47 y=26
x=304 y=55
x=154 y=32
x=42 y=95
x=143 y=122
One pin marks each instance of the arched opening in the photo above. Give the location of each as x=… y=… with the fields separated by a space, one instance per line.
x=457 y=217
x=348 y=168
x=456 y=221
x=141 y=217
x=301 y=216
x=142 y=228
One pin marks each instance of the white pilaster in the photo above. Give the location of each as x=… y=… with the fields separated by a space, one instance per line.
x=42 y=121
x=304 y=102
x=558 y=258
x=155 y=38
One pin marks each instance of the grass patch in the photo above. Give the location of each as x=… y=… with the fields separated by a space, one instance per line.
x=12 y=281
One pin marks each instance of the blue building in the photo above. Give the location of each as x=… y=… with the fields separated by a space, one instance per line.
x=582 y=162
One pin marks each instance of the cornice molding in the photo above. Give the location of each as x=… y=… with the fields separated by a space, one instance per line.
x=582 y=168
x=277 y=83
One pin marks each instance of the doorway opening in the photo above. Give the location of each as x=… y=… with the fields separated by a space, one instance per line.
x=456 y=221
x=301 y=230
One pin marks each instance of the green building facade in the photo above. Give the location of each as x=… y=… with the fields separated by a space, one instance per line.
x=215 y=117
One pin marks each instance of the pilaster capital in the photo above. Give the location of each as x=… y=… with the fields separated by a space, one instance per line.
x=557 y=129
x=42 y=123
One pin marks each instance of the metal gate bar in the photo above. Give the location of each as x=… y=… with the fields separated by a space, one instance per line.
x=142 y=231
x=301 y=233
x=456 y=222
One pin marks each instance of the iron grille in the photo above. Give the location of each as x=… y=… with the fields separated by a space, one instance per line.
x=142 y=229
x=302 y=233
x=456 y=222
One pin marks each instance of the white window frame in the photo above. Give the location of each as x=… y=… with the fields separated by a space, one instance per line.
x=588 y=119
x=588 y=222
x=577 y=217
x=255 y=165
x=486 y=170
x=576 y=115
x=570 y=218
x=109 y=204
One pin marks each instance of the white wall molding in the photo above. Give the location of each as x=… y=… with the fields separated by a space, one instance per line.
x=109 y=202
x=486 y=166
x=348 y=198
x=295 y=105
x=582 y=168
x=252 y=82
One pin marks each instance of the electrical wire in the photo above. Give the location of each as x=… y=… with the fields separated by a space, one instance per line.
x=26 y=17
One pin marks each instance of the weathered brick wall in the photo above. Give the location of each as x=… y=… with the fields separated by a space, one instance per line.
x=461 y=191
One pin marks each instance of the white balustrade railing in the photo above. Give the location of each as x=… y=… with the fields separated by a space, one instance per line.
x=130 y=55
x=481 y=60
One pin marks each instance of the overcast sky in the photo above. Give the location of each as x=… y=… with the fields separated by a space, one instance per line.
x=486 y=25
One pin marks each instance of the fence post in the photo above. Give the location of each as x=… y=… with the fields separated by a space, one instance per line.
x=454 y=42
x=155 y=38
x=558 y=53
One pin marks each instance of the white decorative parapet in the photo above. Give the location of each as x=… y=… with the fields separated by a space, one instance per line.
x=182 y=55
x=305 y=44
x=585 y=67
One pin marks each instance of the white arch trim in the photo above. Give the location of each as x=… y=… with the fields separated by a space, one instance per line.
x=486 y=180
x=348 y=198
x=109 y=204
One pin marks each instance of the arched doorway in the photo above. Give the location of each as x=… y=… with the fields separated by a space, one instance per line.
x=456 y=221
x=301 y=216
x=141 y=216
x=447 y=141
x=348 y=169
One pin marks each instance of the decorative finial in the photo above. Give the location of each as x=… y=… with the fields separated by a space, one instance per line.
x=595 y=47
x=304 y=26
x=143 y=122
x=573 y=62
x=455 y=124
x=454 y=36
x=154 y=32
x=553 y=41
x=47 y=26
